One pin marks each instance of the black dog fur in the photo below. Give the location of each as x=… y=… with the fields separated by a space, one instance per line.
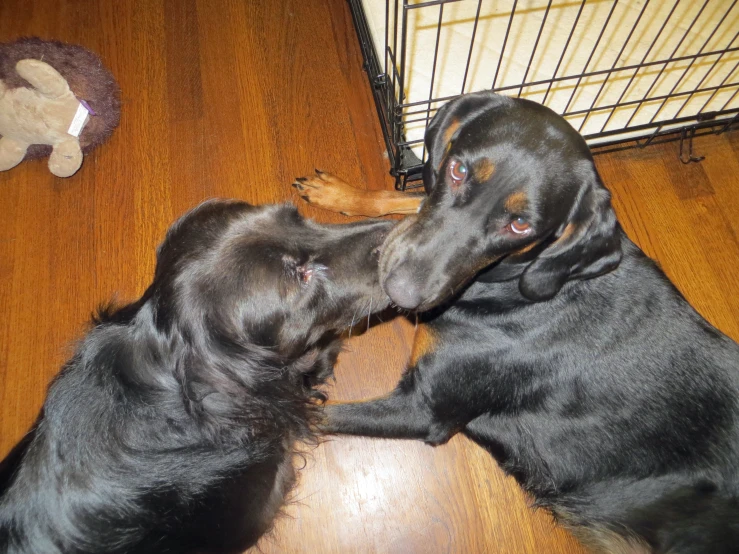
x=173 y=427
x=565 y=351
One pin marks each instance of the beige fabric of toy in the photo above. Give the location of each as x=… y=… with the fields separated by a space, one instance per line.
x=56 y=100
x=40 y=115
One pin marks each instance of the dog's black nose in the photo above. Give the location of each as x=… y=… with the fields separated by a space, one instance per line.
x=402 y=289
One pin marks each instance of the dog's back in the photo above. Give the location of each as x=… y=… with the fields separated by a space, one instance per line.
x=639 y=436
x=103 y=472
x=117 y=463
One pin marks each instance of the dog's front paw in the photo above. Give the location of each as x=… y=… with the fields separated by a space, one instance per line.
x=329 y=192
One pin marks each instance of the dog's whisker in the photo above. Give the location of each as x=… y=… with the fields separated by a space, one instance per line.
x=351 y=326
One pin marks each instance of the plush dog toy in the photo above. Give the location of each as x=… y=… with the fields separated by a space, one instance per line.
x=56 y=100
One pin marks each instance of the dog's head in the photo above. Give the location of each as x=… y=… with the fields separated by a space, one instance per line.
x=509 y=182
x=244 y=315
x=264 y=276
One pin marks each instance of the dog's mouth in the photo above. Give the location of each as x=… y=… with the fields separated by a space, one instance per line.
x=388 y=247
x=416 y=282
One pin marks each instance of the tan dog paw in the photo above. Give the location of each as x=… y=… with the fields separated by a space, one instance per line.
x=331 y=193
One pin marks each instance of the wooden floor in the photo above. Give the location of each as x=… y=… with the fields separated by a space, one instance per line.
x=235 y=98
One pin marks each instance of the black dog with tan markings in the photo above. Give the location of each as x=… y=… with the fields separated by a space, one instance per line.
x=173 y=427
x=565 y=351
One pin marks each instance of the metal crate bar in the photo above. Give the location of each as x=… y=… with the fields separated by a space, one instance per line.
x=626 y=73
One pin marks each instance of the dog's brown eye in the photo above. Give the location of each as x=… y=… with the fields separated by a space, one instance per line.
x=457 y=171
x=519 y=226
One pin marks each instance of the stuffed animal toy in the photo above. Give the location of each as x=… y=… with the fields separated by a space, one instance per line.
x=56 y=100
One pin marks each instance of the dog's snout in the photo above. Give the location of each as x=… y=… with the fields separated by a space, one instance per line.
x=402 y=289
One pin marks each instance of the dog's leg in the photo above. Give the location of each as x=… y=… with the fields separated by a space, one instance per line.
x=331 y=193
x=399 y=415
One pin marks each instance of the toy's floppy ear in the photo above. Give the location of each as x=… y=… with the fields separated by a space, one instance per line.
x=588 y=245
x=43 y=78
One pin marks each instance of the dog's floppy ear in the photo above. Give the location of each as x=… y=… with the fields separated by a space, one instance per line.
x=438 y=134
x=588 y=245
x=444 y=125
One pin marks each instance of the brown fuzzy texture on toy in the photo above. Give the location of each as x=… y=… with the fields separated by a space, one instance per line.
x=88 y=79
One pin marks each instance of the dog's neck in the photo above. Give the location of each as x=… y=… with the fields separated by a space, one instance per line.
x=501 y=271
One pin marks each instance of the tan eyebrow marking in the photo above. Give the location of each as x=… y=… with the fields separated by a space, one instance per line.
x=483 y=169
x=516 y=202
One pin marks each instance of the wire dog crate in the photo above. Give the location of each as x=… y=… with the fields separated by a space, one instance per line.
x=624 y=73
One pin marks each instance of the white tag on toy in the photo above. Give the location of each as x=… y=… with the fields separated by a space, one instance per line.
x=78 y=121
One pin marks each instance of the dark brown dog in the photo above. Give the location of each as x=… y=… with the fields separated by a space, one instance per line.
x=551 y=339
x=173 y=427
